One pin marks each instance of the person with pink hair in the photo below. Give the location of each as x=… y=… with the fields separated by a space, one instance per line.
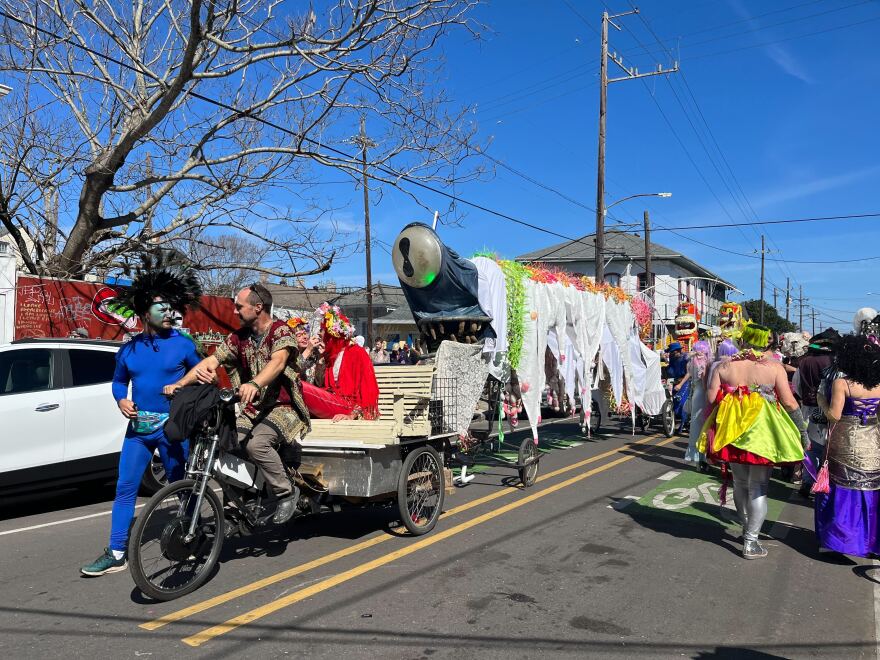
x=698 y=373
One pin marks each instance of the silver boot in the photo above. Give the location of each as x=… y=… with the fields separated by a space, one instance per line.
x=753 y=550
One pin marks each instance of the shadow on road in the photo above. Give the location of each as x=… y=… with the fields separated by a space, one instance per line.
x=39 y=502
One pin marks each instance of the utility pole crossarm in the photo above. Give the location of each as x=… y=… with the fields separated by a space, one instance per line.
x=632 y=73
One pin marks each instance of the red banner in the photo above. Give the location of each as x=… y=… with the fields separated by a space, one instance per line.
x=56 y=308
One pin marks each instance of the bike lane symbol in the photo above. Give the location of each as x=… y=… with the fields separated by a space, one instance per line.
x=676 y=499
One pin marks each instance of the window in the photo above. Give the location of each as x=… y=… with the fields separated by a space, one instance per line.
x=91 y=367
x=612 y=278
x=643 y=281
x=27 y=370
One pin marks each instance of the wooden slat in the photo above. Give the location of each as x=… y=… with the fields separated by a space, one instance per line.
x=377 y=431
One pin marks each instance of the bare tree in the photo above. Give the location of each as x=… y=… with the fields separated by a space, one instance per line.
x=227 y=262
x=148 y=122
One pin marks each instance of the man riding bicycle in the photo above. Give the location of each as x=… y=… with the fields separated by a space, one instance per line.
x=261 y=360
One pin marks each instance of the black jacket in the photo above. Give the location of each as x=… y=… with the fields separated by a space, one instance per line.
x=194 y=404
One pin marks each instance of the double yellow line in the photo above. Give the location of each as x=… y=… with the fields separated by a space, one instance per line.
x=210 y=633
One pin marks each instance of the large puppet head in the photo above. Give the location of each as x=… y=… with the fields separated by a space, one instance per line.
x=686 y=324
x=158 y=290
x=794 y=344
x=439 y=285
x=730 y=320
x=867 y=322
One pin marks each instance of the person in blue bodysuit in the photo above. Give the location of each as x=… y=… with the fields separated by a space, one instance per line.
x=678 y=372
x=158 y=355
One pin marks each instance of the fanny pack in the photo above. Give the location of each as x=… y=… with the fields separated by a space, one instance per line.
x=148 y=422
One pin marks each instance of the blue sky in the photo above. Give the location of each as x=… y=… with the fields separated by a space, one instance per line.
x=794 y=117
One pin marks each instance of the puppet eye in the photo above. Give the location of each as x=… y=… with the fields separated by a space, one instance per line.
x=417 y=256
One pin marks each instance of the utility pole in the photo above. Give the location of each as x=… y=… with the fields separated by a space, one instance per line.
x=813 y=315
x=762 y=279
x=775 y=291
x=801 y=304
x=787 y=298
x=365 y=142
x=649 y=276
x=631 y=73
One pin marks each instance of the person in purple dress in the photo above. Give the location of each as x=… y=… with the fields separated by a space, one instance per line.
x=848 y=516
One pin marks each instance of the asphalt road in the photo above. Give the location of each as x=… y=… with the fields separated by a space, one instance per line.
x=615 y=552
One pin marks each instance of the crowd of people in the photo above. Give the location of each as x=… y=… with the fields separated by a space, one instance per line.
x=806 y=404
x=401 y=353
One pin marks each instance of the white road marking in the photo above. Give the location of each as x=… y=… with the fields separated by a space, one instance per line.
x=669 y=475
x=59 y=522
x=70 y=520
x=623 y=502
x=877 y=613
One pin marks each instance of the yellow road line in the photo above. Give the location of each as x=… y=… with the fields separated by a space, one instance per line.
x=358 y=547
x=265 y=610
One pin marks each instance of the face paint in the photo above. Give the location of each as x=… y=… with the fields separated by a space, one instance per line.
x=158 y=312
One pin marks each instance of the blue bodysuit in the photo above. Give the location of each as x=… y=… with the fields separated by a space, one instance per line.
x=149 y=362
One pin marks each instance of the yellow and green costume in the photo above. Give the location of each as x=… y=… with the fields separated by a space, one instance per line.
x=748 y=426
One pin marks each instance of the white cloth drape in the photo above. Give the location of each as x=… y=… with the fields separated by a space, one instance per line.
x=531 y=363
x=492 y=295
x=649 y=392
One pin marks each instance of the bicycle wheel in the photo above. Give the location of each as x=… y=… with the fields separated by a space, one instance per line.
x=421 y=490
x=667 y=414
x=165 y=566
x=528 y=458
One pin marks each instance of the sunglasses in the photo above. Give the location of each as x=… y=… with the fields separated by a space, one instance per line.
x=253 y=287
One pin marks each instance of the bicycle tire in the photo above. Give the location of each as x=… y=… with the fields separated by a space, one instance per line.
x=138 y=572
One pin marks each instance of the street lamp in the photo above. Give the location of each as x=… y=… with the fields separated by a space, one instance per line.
x=600 y=234
x=660 y=194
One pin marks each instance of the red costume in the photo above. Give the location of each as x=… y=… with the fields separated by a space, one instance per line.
x=353 y=392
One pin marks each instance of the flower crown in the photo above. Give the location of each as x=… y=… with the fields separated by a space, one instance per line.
x=334 y=321
x=297 y=322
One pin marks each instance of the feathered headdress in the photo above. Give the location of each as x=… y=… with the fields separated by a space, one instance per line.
x=757 y=336
x=157 y=277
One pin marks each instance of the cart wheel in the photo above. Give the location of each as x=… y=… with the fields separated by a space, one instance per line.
x=421 y=490
x=667 y=413
x=528 y=458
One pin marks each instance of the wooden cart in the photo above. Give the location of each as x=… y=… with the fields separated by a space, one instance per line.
x=401 y=456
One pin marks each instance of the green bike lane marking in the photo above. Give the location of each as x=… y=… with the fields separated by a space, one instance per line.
x=693 y=497
x=509 y=451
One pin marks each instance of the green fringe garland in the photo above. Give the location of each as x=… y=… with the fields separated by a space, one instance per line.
x=515 y=275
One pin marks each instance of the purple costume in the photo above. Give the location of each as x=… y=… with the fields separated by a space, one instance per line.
x=848 y=517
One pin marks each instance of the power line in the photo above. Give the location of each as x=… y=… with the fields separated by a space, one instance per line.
x=779 y=41
x=722 y=225
x=757 y=28
x=479 y=151
x=263 y=120
x=711 y=135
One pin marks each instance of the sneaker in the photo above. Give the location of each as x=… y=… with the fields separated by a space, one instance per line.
x=753 y=550
x=104 y=564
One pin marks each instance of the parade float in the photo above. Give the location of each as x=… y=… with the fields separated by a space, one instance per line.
x=508 y=319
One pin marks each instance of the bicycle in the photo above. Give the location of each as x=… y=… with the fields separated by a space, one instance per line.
x=176 y=541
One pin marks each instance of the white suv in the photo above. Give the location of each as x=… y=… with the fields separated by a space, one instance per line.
x=60 y=423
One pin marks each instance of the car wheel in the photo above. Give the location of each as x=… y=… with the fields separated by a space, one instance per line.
x=154 y=478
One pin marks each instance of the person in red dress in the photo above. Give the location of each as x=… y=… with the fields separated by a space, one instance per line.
x=350 y=390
